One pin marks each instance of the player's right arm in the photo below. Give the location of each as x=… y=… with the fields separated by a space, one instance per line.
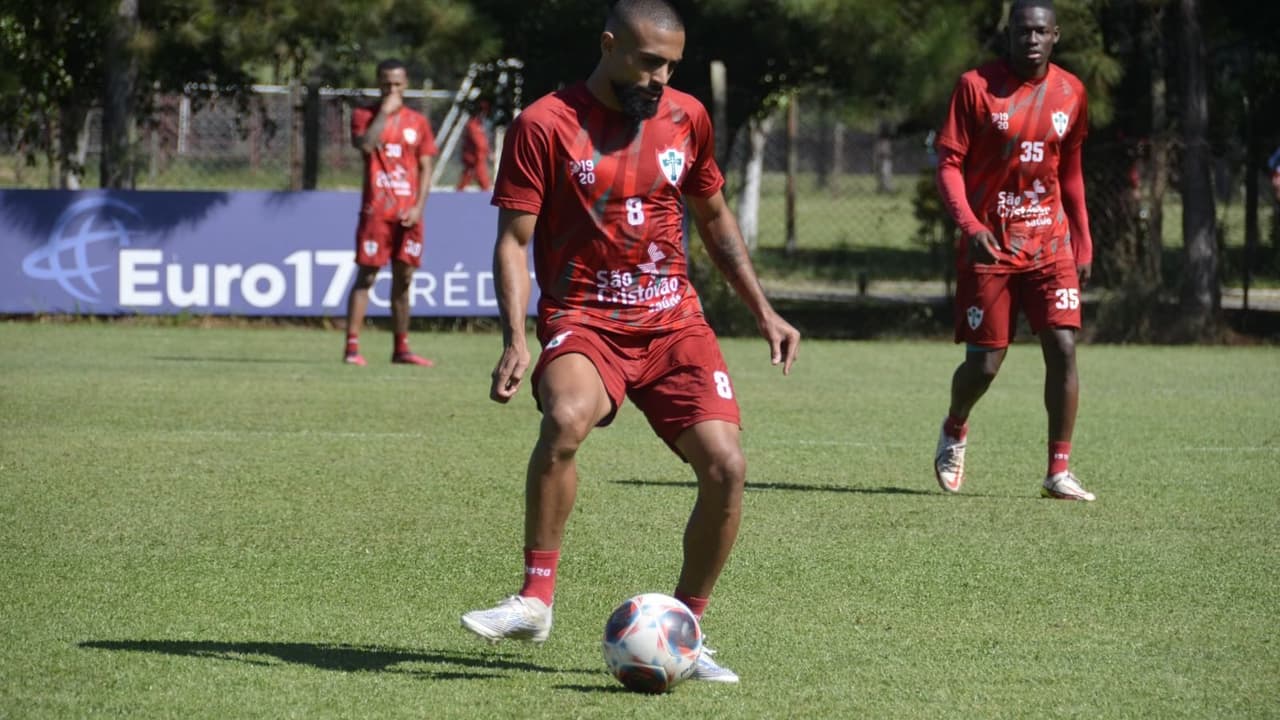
x=365 y=138
x=982 y=242
x=511 y=278
x=963 y=115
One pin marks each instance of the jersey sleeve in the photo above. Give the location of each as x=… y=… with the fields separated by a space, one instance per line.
x=1071 y=180
x=427 y=148
x=361 y=118
x=957 y=129
x=1080 y=124
x=704 y=179
x=524 y=172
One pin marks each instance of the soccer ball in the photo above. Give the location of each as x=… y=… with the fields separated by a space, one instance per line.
x=652 y=642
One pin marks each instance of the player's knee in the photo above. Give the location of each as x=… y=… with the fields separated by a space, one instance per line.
x=1059 y=348
x=726 y=471
x=365 y=278
x=983 y=367
x=564 y=426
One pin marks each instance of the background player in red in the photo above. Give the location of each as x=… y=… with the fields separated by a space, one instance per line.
x=1009 y=172
x=597 y=175
x=475 y=150
x=398 y=148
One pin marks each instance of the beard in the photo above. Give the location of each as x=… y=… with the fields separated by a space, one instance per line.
x=638 y=102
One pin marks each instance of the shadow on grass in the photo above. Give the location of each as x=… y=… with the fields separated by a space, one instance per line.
x=342 y=658
x=602 y=689
x=788 y=486
x=193 y=359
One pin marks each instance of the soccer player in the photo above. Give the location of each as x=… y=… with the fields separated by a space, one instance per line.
x=1009 y=173
x=398 y=148
x=475 y=150
x=594 y=175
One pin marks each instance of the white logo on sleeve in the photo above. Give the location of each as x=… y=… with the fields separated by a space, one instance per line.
x=671 y=162
x=1060 y=121
x=975 y=317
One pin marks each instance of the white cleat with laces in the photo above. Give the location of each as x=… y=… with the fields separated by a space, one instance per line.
x=948 y=461
x=711 y=671
x=1065 y=486
x=516 y=618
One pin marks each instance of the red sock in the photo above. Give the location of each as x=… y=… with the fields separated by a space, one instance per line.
x=1059 y=454
x=957 y=428
x=696 y=604
x=353 y=343
x=402 y=343
x=540 y=574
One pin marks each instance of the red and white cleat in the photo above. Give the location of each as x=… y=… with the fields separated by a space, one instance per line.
x=408 y=358
x=1065 y=486
x=948 y=462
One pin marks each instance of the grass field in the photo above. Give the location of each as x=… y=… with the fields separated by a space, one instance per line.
x=230 y=523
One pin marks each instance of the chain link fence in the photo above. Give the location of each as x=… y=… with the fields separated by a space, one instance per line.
x=192 y=143
x=862 y=214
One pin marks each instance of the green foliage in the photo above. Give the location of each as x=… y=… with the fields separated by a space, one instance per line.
x=52 y=70
x=230 y=523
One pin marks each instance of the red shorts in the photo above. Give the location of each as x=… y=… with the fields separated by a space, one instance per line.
x=987 y=304
x=378 y=241
x=677 y=379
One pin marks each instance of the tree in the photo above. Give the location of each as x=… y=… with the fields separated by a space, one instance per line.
x=118 y=94
x=50 y=70
x=1200 y=287
x=49 y=53
x=53 y=73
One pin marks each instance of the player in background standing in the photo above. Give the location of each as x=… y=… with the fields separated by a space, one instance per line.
x=398 y=148
x=595 y=175
x=1010 y=175
x=475 y=150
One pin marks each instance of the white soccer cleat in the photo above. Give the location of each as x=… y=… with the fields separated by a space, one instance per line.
x=711 y=671
x=1065 y=486
x=516 y=618
x=948 y=461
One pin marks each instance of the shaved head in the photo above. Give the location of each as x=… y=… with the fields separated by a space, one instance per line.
x=627 y=14
x=1030 y=5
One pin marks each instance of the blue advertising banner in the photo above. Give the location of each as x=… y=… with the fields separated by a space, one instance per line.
x=228 y=253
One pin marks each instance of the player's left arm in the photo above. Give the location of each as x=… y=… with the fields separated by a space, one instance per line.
x=723 y=239
x=1071 y=182
x=1071 y=179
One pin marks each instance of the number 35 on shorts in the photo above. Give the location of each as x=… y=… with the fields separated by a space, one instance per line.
x=1068 y=298
x=723 y=388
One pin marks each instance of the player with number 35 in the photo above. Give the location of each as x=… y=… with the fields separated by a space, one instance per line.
x=1010 y=176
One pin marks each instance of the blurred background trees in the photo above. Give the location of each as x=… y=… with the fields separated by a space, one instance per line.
x=1187 y=96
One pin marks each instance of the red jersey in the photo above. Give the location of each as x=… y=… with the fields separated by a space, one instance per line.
x=475 y=142
x=1013 y=134
x=391 y=170
x=608 y=243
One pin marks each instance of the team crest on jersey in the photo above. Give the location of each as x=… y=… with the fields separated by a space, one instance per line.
x=411 y=135
x=671 y=161
x=975 y=317
x=1060 y=122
